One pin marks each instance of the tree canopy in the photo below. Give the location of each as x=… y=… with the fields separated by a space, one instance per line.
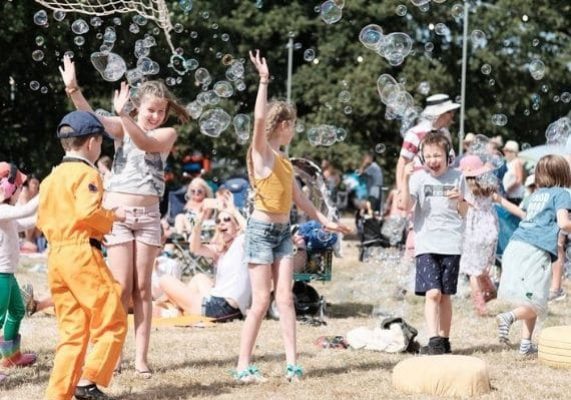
x=517 y=32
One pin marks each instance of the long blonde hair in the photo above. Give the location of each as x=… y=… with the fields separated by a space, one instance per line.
x=278 y=111
x=159 y=90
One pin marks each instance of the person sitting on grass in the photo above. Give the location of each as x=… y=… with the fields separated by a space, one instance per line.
x=229 y=295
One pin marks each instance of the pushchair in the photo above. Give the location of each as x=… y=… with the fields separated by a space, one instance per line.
x=374 y=231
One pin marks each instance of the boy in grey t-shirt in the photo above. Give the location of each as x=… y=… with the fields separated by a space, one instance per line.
x=437 y=194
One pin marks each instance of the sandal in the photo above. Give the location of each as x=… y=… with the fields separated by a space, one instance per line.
x=249 y=375
x=294 y=372
x=147 y=374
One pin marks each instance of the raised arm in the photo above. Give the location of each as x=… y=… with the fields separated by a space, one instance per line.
x=301 y=200
x=195 y=244
x=406 y=201
x=259 y=141
x=112 y=124
x=162 y=139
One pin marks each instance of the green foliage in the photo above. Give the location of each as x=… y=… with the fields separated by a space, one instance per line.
x=29 y=117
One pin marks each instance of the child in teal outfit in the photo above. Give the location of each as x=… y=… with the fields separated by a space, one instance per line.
x=13 y=219
x=526 y=264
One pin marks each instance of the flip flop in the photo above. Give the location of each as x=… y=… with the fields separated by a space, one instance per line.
x=147 y=374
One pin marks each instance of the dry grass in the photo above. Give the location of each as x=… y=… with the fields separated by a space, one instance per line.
x=194 y=363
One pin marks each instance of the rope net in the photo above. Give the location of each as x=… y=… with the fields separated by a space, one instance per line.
x=155 y=10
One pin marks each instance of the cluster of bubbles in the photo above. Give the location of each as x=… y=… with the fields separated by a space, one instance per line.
x=558 y=132
x=213 y=122
x=488 y=180
x=326 y=135
x=394 y=47
x=331 y=11
x=400 y=103
x=481 y=147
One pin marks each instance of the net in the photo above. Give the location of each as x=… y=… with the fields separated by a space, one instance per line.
x=155 y=10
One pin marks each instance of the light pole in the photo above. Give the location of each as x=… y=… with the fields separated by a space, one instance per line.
x=289 y=47
x=463 y=82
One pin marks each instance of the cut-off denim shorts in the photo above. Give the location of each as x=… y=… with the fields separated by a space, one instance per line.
x=267 y=242
x=219 y=309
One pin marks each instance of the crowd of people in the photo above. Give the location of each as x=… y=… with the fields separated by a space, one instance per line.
x=87 y=204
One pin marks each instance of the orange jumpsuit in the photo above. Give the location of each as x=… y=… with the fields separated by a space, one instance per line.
x=86 y=297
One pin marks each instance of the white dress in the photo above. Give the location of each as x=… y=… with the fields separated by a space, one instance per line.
x=480 y=237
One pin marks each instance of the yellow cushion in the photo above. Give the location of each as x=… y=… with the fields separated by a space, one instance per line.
x=445 y=375
x=555 y=347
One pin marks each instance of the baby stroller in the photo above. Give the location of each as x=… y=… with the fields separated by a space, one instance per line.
x=316 y=262
x=374 y=231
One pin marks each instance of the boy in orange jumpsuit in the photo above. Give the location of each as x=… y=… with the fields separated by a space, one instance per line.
x=87 y=299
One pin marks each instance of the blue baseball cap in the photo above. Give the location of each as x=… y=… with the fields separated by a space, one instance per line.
x=80 y=123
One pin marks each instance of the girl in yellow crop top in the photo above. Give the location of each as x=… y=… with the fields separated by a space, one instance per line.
x=268 y=248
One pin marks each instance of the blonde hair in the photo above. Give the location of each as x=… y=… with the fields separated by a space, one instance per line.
x=159 y=90
x=216 y=240
x=278 y=111
x=203 y=184
x=552 y=171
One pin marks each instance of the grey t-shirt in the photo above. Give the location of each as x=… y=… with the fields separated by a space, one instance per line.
x=374 y=180
x=438 y=226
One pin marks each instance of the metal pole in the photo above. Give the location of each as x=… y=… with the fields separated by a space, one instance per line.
x=289 y=74
x=463 y=84
x=289 y=67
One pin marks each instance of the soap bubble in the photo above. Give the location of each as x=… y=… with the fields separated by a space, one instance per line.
x=347 y=110
x=341 y=134
x=486 y=69
x=202 y=76
x=380 y=148
x=441 y=29
x=40 y=40
x=344 y=96
x=213 y=122
x=223 y=89
x=241 y=124
x=59 y=15
x=423 y=88
x=558 y=132
x=79 y=27
x=185 y=5
x=537 y=69
x=429 y=46
x=37 y=55
x=34 y=85
x=330 y=12
x=41 y=18
x=401 y=10
x=478 y=38
x=194 y=109
x=309 y=55
x=235 y=71
x=240 y=85
x=457 y=10
x=79 y=40
x=323 y=236
x=110 y=65
x=96 y=22
x=371 y=36
x=499 y=119
x=565 y=97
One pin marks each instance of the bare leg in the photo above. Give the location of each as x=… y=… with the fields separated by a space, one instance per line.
x=187 y=296
x=431 y=311
x=557 y=266
x=142 y=301
x=261 y=281
x=283 y=278
x=445 y=315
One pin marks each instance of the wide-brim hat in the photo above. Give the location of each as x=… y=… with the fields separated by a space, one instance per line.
x=439 y=104
x=471 y=166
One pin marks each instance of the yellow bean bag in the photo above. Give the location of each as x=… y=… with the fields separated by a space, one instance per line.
x=555 y=347
x=445 y=375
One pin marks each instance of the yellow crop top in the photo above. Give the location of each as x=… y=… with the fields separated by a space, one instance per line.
x=274 y=193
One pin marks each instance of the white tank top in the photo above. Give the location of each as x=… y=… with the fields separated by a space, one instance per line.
x=135 y=171
x=508 y=179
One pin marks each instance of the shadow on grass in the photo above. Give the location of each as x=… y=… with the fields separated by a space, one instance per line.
x=484 y=349
x=169 y=391
x=326 y=371
x=347 y=310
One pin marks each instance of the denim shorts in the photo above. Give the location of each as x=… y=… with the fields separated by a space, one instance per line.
x=218 y=308
x=437 y=271
x=267 y=242
x=142 y=224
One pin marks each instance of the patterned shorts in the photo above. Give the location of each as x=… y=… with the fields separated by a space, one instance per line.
x=437 y=271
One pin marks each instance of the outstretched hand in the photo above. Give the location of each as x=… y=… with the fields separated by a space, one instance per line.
x=121 y=98
x=337 y=227
x=260 y=64
x=68 y=73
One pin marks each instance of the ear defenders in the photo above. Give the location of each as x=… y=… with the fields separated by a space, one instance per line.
x=8 y=185
x=447 y=150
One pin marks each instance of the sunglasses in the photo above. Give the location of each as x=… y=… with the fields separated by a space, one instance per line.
x=196 y=191
x=225 y=219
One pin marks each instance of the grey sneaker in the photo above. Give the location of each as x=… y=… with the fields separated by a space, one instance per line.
x=530 y=352
x=557 y=295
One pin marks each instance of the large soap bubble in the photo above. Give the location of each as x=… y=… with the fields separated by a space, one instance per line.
x=537 y=69
x=213 y=122
x=330 y=12
x=110 y=65
x=371 y=36
x=558 y=132
x=241 y=124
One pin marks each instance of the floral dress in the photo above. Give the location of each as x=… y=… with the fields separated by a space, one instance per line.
x=480 y=237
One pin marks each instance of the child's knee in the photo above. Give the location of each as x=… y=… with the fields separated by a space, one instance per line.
x=434 y=295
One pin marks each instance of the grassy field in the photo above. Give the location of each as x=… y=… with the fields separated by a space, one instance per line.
x=195 y=362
